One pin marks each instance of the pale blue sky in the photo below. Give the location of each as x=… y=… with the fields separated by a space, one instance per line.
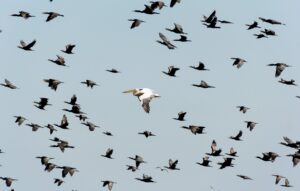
x=103 y=41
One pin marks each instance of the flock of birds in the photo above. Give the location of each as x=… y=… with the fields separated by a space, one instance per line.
x=145 y=96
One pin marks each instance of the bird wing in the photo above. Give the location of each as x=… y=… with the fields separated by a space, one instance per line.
x=146 y=104
x=30 y=45
x=23 y=44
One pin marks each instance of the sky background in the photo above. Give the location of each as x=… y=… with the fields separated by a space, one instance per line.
x=101 y=32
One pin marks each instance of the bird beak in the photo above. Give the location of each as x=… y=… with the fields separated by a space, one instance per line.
x=129 y=91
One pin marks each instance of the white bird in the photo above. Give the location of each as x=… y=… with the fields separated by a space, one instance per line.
x=145 y=95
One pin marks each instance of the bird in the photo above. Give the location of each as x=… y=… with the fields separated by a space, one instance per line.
x=181 y=116
x=165 y=41
x=67 y=170
x=59 y=61
x=8 y=84
x=258 y=36
x=251 y=124
x=76 y=109
x=203 y=84
x=172 y=165
x=238 y=136
x=58 y=181
x=232 y=152
x=135 y=23
x=195 y=129
x=107 y=133
x=108 y=153
x=52 y=83
x=19 y=120
x=114 y=71
x=90 y=83
x=269 y=32
x=23 y=14
x=63 y=123
x=182 y=38
x=25 y=46
x=147 y=10
x=52 y=15
x=146 y=178
x=145 y=95
x=214 y=149
x=51 y=128
x=72 y=100
x=244 y=177
x=287 y=82
x=238 y=62
x=49 y=167
x=62 y=145
x=69 y=49
x=42 y=103
x=171 y=71
x=132 y=168
x=177 y=29
x=271 y=21
x=286 y=183
x=8 y=180
x=279 y=68
x=295 y=158
x=290 y=143
x=212 y=24
x=138 y=160
x=157 y=4
x=147 y=134
x=34 y=126
x=278 y=178
x=44 y=159
x=253 y=25
x=108 y=183
x=205 y=162
x=227 y=162
x=173 y=2
x=243 y=109
x=268 y=156
x=201 y=67
x=210 y=18
x=82 y=117
x=90 y=125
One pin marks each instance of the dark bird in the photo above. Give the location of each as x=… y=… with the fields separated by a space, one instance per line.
x=138 y=160
x=238 y=62
x=237 y=137
x=8 y=180
x=75 y=109
x=181 y=116
x=146 y=178
x=171 y=71
x=58 y=181
x=82 y=117
x=67 y=170
x=244 y=177
x=165 y=41
x=278 y=178
x=49 y=167
x=271 y=21
x=59 y=61
x=251 y=124
x=253 y=25
x=205 y=162
x=279 y=68
x=195 y=129
x=72 y=100
x=290 y=143
x=225 y=22
x=269 y=32
x=232 y=152
x=90 y=125
x=23 y=14
x=52 y=15
x=286 y=183
x=177 y=29
x=157 y=4
x=287 y=82
x=107 y=133
x=108 y=183
x=42 y=103
x=69 y=49
x=268 y=156
x=147 y=10
x=212 y=24
x=52 y=83
x=34 y=126
x=147 y=134
x=62 y=145
x=135 y=23
x=25 y=46
x=108 y=153
x=114 y=71
x=44 y=160
x=90 y=83
x=132 y=168
x=8 y=84
x=210 y=18
x=203 y=84
x=51 y=128
x=172 y=165
x=182 y=38
x=258 y=36
x=19 y=120
x=243 y=109
x=227 y=162
x=173 y=2
x=214 y=149
x=201 y=66
x=63 y=123
x=295 y=158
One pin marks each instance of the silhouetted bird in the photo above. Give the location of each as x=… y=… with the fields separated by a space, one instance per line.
x=90 y=83
x=147 y=134
x=8 y=84
x=278 y=178
x=182 y=38
x=238 y=62
x=132 y=168
x=147 y=10
x=237 y=137
x=42 y=103
x=90 y=125
x=181 y=116
x=227 y=162
x=201 y=66
x=171 y=71
x=58 y=181
x=214 y=149
x=135 y=23
x=290 y=143
x=72 y=100
x=23 y=14
x=195 y=129
x=108 y=183
x=8 y=180
x=258 y=36
x=205 y=162
x=62 y=145
x=19 y=120
x=269 y=32
x=232 y=152
x=177 y=29
x=67 y=170
x=157 y=4
x=243 y=109
x=52 y=83
x=287 y=82
x=59 y=61
x=173 y=2
x=138 y=160
x=69 y=49
x=203 y=84
x=295 y=158
x=212 y=24
x=75 y=109
x=52 y=15
x=25 y=46
x=107 y=133
x=63 y=123
x=251 y=124
x=268 y=156
x=172 y=165
x=271 y=21
x=210 y=18
x=146 y=178
x=49 y=167
x=82 y=117
x=244 y=177
x=165 y=41
x=51 y=128
x=44 y=159
x=108 y=153
x=113 y=71
x=253 y=25
x=279 y=68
